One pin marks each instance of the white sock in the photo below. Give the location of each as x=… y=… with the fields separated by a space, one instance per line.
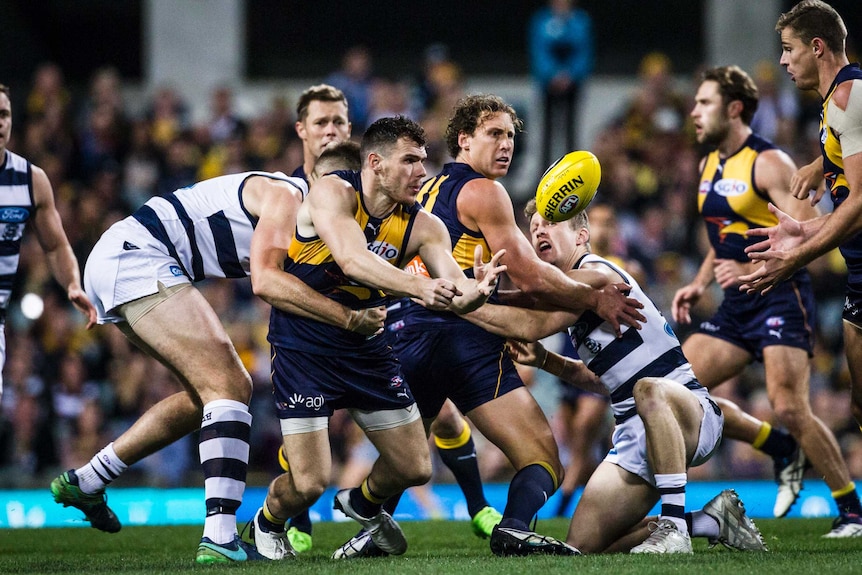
x=100 y=471
x=224 y=451
x=671 y=487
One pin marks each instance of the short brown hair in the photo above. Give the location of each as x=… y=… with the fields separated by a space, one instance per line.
x=735 y=84
x=4 y=89
x=470 y=112
x=341 y=156
x=384 y=133
x=815 y=19
x=320 y=93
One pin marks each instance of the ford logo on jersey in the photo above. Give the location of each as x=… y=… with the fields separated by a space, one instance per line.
x=730 y=187
x=14 y=215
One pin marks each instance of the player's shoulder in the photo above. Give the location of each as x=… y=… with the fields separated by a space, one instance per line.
x=848 y=95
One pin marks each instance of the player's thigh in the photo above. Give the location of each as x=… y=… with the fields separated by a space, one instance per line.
x=402 y=447
x=853 y=351
x=714 y=360
x=308 y=458
x=188 y=336
x=515 y=423
x=613 y=502
x=788 y=373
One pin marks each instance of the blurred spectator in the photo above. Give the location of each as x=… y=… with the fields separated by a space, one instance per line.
x=561 y=60
x=656 y=107
x=49 y=95
x=355 y=79
x=168 y=116
x=777 y=115
x=140 y=167
x=224 y=122
x=77 y=410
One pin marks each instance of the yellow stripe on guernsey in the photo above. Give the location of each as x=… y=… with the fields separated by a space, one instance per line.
x=735 y=185
x=463 y=243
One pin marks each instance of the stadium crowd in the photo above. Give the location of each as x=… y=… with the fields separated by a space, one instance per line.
x=67 y=390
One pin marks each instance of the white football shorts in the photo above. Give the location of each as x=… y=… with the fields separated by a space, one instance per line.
x=127 y=263
x=630 y=450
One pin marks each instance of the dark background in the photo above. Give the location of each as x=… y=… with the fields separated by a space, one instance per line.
x=302 y=39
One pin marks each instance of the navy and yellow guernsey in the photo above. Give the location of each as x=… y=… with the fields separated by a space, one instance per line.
x=836 y=181
x=439 y=195
x=310 y=260
x=731 y=204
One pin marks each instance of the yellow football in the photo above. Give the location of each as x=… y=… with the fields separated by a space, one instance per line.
x=568 y=186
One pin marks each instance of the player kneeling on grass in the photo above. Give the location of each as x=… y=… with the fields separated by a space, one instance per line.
x=665 y=420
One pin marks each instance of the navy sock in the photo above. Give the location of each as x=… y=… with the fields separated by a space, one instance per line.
x=529 y=490
x=390 y=504
x=462 y=462
x=302 y=522
x=778 y=444
x=364 y=506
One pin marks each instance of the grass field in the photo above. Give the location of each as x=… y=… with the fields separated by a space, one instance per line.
x=435 y=547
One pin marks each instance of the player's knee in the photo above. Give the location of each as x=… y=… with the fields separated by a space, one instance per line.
x=309 y=489
x=793 y=415
x=417 y=473
x=648 y=394
x=448 y=427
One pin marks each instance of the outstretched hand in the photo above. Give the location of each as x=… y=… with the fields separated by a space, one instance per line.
x=683 y=300
x=776 y=253
x=614 y=306
x=531 y=354
x=80 y=300
x=487 y=274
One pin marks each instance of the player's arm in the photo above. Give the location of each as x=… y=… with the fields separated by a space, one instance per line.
x=276 y=202
x=807 y=179
x=687 y=296
x=774 y=173
x=435 y=249
x=532 y=324
x=58 y=252
x=331 y=205
x=484 y=205
x=846 y=220
x=570 y=370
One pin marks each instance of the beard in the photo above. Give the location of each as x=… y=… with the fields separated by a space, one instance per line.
x=714 y=137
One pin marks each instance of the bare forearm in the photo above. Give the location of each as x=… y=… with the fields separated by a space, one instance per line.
x=64 y=267
x=287 y=293
x=377 y=273
x=828 y=232
x=551 y=286
x=573 y=371
x=519 y=323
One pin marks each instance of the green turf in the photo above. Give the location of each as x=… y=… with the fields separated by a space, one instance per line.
x=435 y=547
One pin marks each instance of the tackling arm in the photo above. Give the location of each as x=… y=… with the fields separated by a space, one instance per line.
x=276 y=203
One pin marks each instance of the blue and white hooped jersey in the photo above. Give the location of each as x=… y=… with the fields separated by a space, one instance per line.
x=16 y=208
x=652 y=351
x=205 y=226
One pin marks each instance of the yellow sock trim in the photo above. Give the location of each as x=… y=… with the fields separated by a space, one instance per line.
x=550 y=470
x=851 y=487
x=366 y=492
x=765 y=430
x=270 y=517
x=282 y=460
x=455 y=443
